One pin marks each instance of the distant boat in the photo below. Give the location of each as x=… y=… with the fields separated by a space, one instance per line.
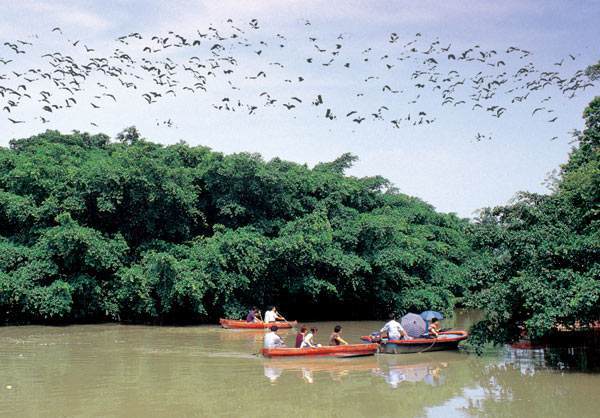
x=447 y=340
x=350 y=350
x=573 y=335
x=240 y=324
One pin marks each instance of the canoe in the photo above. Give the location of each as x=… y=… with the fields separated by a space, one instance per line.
x=240 y=324
x=350 y=350
x=447 y=340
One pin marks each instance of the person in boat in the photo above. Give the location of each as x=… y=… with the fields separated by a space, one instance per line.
x=336 y=336
x=272 y=315
x=272 y=340
x=309 y=339
x=394 y=330
x=253 y=315
x=434 y=328
x=300 y=336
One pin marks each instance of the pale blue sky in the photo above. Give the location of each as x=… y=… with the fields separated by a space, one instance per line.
x=440 y=163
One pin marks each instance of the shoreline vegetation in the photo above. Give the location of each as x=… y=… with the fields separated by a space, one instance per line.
x=94 y=230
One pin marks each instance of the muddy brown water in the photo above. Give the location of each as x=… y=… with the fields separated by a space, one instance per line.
x=205 y=371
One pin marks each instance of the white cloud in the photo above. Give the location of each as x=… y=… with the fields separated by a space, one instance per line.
x=83 y=19
x=56 y=13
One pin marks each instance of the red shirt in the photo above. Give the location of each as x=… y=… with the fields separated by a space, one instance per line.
x=299 y=339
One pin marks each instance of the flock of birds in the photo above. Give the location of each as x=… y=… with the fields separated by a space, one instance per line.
x=242 y=69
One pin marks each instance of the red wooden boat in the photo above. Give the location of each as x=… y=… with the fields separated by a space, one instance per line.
x=447 y=340
x=526 y=345
x=240 y=324
x=350 y=350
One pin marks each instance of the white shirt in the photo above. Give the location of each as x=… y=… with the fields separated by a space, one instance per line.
x=393 y=329
x=270 y=316
x=308 y=340
x=272 y=340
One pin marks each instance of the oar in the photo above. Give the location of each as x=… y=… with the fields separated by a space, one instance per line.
x=286 y=321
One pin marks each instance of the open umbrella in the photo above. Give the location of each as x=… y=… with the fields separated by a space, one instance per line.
x=413 y=324
x=429 y=315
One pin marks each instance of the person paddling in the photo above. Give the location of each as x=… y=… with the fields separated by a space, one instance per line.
x=253 y=315
x=272 y=315
x=272 y=340
x=394 y=330
x=336 y=336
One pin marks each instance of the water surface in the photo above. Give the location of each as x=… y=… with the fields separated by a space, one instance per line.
x=134 y=371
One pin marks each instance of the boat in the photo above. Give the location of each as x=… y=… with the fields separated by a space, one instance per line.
x=526 y=345
x=576 y=334
x=241 y=324
x=446 y=340
x=340 y=351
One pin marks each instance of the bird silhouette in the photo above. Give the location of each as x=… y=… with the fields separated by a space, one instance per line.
x=492 y=81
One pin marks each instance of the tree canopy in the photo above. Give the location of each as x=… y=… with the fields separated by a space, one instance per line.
x=538 y=263
x=92 y=229
x=593 y=71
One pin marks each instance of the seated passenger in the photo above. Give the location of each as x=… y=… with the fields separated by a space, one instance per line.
x=272 y=340
x=433 y=329
x=336 y=336
x=308 y=340
x=394 y=330
x=300 y=336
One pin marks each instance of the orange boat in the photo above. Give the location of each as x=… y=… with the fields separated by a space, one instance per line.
x=240 y=324
x=446 y=340
x=350 y=350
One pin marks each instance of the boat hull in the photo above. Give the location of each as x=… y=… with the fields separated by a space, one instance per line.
x=448 y=340
x=238 y=324
x=350 y=350
x=392 y=348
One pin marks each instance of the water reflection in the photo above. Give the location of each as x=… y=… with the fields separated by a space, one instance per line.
x=392 y=371
x=571 y=359
x=427 y=373
x=272 y=373
x=311 y=369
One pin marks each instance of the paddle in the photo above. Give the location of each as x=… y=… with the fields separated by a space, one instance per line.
x=286 y=321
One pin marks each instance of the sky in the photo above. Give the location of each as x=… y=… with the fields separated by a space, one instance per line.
x=441 y=162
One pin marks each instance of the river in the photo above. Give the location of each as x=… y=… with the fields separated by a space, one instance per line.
x=145 y=371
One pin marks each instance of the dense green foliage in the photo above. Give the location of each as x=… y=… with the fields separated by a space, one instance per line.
x=539 y=258
x=92 y=230
x=593 y=71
